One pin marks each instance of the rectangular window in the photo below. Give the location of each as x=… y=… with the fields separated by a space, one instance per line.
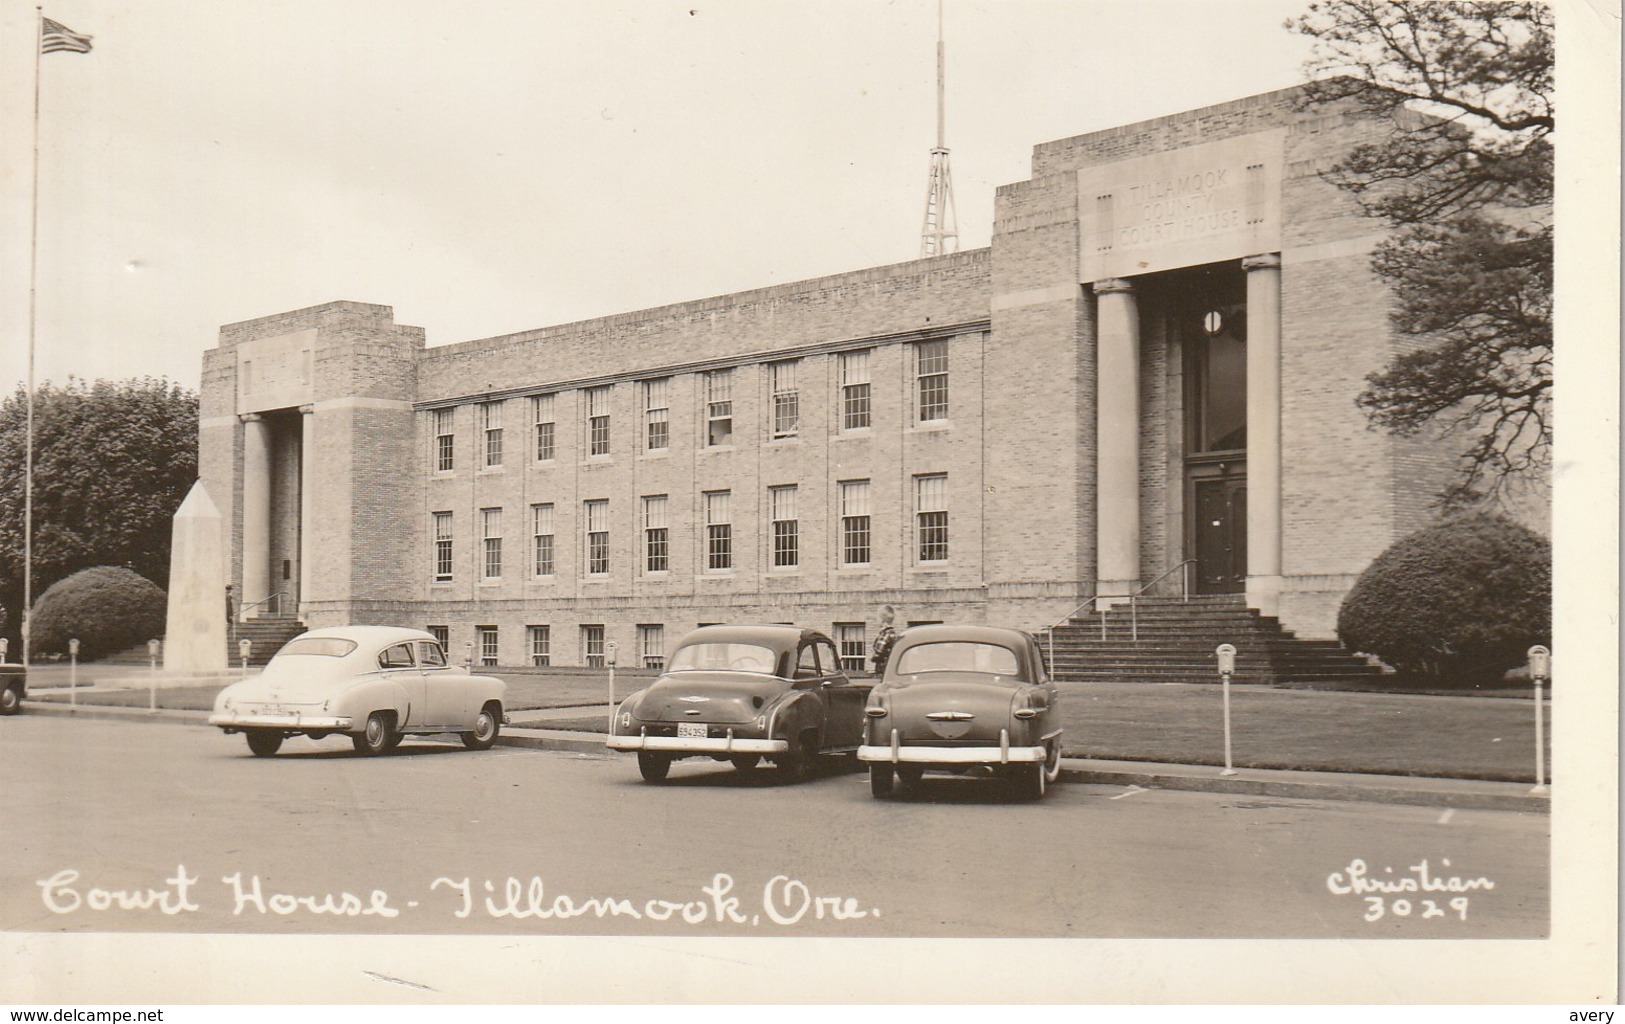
x=592 y=646
x=656 y=540
x=541 y=645
x=445 y=441
x=442 y=546
x=541 y=537
x=656 y=414
x=491 y=536
x=597 y=519
x=931 y=517
x=855 y=390
x=487 y=645
x=849 y=636
x=855 y=522
x=541 y=411
x=442 y=636
x=652 y=646
x=781 y=503
x=598 y=421
x=931 y=371
x=786 y=399
x=491 y=417
x=719 y=408
x=719 y=540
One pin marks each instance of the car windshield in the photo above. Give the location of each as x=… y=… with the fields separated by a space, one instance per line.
x=727 y=657
x=958 y=656
x=322 y=646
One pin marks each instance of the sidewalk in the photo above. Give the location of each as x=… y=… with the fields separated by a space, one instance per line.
x=1462 y=794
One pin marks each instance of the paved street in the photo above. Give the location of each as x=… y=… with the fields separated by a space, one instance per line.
x=166 y=827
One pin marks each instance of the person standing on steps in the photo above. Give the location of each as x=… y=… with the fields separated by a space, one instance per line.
x=884 y=639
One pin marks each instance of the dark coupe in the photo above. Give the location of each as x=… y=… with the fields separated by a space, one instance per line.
x=741 y=694
x=957 y=697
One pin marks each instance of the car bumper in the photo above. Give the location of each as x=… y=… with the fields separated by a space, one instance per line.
x=729 y=744
x=898 y=752
x=233 y=720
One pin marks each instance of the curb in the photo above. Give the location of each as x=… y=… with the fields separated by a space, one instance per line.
x=1462 y=794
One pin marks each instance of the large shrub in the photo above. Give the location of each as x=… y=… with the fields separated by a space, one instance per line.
x=106 y=608
x=1458 y=603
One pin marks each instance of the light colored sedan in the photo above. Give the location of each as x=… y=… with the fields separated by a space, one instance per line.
x=374 y=684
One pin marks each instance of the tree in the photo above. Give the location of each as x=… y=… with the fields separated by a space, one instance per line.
x=1465 y=177
x=113 y=460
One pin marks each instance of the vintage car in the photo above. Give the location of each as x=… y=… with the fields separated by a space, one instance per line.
x=374 y=684
x=13 y=688
x=957 y=697
x=742 y=693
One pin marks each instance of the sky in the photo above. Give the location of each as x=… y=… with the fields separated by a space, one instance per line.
x=492 y=166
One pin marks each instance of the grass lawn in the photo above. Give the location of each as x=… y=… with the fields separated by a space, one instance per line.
x=1475 y=737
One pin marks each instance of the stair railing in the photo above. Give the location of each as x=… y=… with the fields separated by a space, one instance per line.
x=1049 y=633
x=275 y=601
x=1183 y=568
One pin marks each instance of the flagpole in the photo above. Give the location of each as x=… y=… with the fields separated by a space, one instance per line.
x=33 y=290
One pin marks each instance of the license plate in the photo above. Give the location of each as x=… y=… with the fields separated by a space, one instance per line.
x=690 y=731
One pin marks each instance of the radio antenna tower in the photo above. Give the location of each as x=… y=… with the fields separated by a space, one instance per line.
x=941 y=232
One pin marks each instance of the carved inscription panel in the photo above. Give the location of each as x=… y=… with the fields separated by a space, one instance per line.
x=1183 y=208
x=275 y=373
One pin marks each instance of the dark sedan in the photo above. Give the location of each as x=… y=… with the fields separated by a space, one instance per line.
x=958 y=697
x=741 y=694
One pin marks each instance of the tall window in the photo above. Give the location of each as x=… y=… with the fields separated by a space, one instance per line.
x=786 y=528
x=541 y=410
x=592 y=646
x=597 y=517
x=656 y=414
x=786 y=399
x=598 y=421
x=652 y=646
x=445 y=441
x=442 y=545
x=487 y=640
x=855 y=522
x=541 y=539
x=541 y=645
x=491 y=535
x=442 y=636
x=931 y=372
x=855 y=389
x=719 y=537
x=931 y=517
x=491 y=417
x=849 y=637
x=656 y=541
x=719 y=407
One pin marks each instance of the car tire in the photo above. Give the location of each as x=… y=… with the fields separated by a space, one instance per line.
x=910 y=774
x=1052 y=761
x=263 y=742
x=11 y=701
x=486 y=727
x=881 y=777
x=1032 y=780
x=796 y=764
x=375 y=735
x=653 y=766
x=745 y=762
x=395 y=738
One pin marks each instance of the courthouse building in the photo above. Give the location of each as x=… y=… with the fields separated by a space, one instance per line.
x=1154 y=363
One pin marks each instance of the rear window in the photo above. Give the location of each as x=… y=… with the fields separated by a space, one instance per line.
x=321 y=646
x=958 y=656
x=724 y=657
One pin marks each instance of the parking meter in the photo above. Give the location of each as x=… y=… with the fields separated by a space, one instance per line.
x=1227 y=659
x=152 y=651
x=609 y=652
x=73 y=673
x=73 y=648
x=1540 y=662
x=4 y=643
x=468 y=657
x=1227 y=668
x=243 y=647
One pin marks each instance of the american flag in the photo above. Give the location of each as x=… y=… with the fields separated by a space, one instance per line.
x=56 y=36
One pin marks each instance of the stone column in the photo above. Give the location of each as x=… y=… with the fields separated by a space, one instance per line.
x=1264 y=432
x=256 y=510
x=307 y=461
x=1117 y=442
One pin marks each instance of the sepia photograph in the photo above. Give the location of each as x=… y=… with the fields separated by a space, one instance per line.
x=975 y=502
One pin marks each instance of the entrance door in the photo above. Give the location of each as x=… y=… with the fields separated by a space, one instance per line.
x=1220 y=534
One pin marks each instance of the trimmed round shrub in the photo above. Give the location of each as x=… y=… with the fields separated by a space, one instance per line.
x=1459 y=603
x=108 y=609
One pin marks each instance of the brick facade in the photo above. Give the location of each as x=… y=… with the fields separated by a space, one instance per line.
x=1012 y=460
